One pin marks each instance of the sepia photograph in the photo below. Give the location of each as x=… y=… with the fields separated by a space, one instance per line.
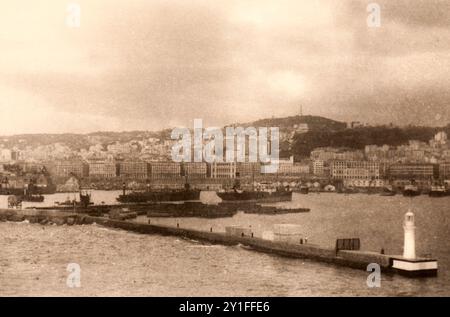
x=206 y=149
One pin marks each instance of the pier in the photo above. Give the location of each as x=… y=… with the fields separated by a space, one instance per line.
x=349 y=258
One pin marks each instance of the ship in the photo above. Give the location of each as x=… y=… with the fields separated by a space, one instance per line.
x=30 y=193
x=256 y=196
x=411 y=190
x=438 y=191
x=303 y=189
x=33 y=198
x=85 y=200
x=155 y=196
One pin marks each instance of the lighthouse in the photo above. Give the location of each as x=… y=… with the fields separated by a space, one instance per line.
x=409 y=247
x=409 y=264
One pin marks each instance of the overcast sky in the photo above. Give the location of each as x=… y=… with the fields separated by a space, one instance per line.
x=146 y=65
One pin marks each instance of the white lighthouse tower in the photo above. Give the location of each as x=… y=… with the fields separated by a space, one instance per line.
x=409 y=248
x=409 y=264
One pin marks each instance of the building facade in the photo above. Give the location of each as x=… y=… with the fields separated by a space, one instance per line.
x=411 y=171
x=362 y=170
x=294 y=169
x=248 y=169
x=163 y=170
x=329 y=154
x=102 y=168
x=223 y=170
x=444 y=171
x=318 y=167
x=195 y=169
x=133 y=169
x=69 y=168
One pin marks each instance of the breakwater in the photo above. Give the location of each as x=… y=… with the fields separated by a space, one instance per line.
x=355 y=259
x=184 y=209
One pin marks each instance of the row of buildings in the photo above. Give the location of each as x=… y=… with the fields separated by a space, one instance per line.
x=375 y=174
x=351 y=173
x=139 y=170
x=378 y=165
x=375 y=166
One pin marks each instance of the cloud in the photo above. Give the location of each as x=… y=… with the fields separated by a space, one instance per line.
x=155 y=64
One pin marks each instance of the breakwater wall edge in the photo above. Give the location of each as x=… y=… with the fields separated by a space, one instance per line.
x=352 y=259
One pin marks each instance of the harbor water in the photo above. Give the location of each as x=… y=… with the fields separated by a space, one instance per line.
x=34 y=258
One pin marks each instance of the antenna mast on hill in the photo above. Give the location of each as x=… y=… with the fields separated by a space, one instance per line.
x=301 y=110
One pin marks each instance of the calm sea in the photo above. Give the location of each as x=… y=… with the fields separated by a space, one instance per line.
x=34 y=258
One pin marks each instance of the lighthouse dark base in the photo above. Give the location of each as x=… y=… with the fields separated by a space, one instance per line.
x=414 y=267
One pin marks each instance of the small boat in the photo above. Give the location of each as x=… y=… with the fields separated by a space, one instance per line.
x=388 y=191
x=411 y=191
x=348 y=190
x=304 y=189
x=438 y=191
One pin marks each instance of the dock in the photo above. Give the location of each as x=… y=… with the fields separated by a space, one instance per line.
x=349 y=258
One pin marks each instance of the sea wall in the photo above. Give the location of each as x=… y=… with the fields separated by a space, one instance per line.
x=365 y=257
x=355 y=259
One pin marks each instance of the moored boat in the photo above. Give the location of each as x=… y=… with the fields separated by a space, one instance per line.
x=411 y=190
x=438 y=191
x=304 y=189
x=33 y=198
x=388 y=191
x=256 y=196
x=155 y=196
x=85 y=200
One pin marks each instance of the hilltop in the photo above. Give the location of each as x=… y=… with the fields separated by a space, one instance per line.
x=314 y=123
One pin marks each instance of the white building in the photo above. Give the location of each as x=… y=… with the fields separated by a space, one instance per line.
x=223 y=170
x=441 y=137
x=318 y=167
x=363 y=170
x=5 y=155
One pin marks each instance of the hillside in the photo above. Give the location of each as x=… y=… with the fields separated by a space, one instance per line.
x=83 y=141
x=358 y=138
x=323 y=132
x=314 y=123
